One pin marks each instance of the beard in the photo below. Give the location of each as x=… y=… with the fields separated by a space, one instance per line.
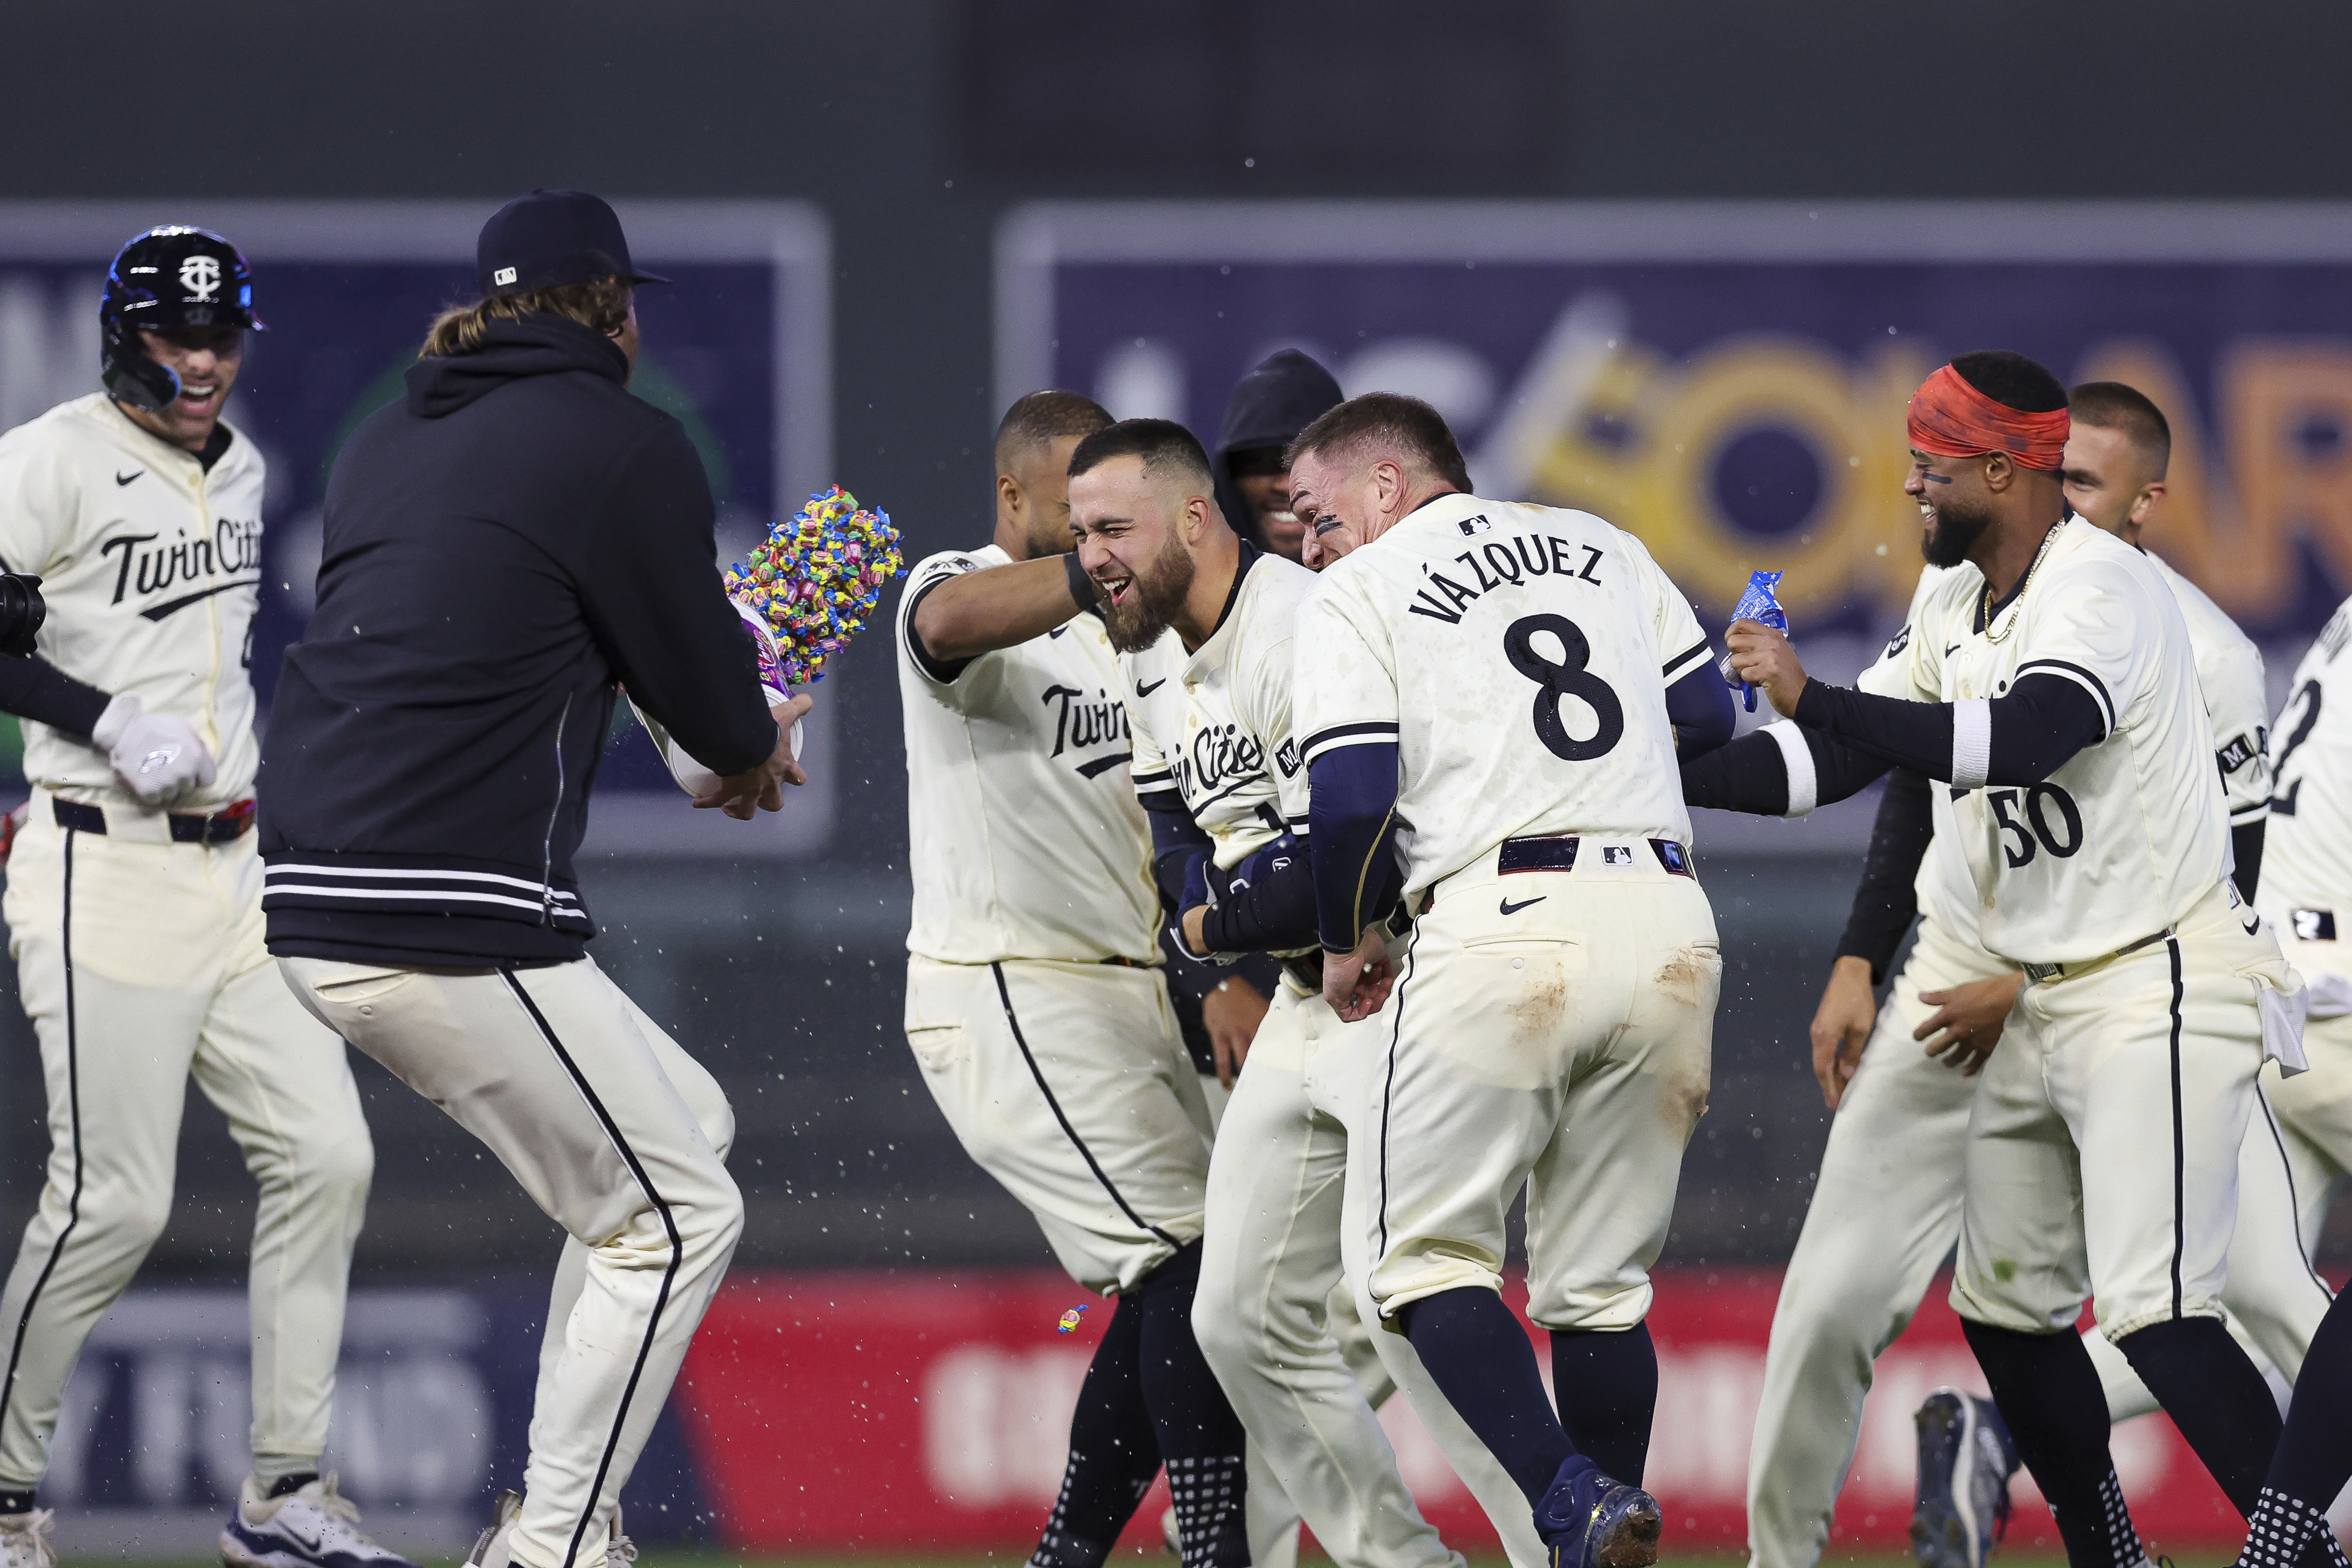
x=1955 y=533
x=1153 y=600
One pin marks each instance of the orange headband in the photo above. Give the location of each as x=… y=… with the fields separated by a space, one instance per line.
x=1950 y=418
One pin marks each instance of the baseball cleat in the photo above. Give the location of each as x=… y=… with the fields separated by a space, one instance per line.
x=1966 y=1459
x=494 y=1547
x=313 y=1526
x=25 y=1540
x=1589 y=1521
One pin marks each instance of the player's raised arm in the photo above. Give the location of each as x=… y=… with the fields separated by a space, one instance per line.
x=954 y=618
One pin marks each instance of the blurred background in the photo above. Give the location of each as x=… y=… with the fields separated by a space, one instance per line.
x=1678 y=262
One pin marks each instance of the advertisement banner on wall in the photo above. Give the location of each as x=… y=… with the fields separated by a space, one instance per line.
x=738 y=348
x=1729 y=380
x=852 y=1412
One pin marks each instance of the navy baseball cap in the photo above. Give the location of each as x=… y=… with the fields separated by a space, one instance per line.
x=553 y=237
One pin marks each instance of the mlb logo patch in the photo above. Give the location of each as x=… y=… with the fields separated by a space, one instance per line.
x=1616 y=855
x=1477 y=525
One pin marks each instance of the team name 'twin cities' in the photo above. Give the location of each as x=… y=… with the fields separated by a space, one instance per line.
x=234 y=547
x=1501 y=561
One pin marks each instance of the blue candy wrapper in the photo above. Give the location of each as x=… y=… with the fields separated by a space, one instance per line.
x=1755 y=604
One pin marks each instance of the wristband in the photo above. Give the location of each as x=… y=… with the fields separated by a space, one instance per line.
x=1083 y=591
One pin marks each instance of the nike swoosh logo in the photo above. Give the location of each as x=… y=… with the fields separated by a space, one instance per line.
x=1952 y=650
x=1510 y=908
x=2254 y=926
x=1055 y=633
x=1145 y=690
x=126 y=478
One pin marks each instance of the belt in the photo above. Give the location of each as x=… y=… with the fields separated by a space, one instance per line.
x=2038 y=973
x=218 y=828
x=1558 y=852
x=1118 y=962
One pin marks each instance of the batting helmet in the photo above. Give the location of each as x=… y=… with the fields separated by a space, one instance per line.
x=167 y=279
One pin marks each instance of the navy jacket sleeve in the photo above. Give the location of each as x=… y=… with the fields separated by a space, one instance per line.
x=36 y=689
x=649 y=584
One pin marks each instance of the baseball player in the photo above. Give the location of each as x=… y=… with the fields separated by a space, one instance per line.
x=2306 y=890
x=504 y=547
x=1484 y=695
x=133 y=899
x=1035 y=1006
x=2051 y=686
x=1203 y=622
x=1893 y=1167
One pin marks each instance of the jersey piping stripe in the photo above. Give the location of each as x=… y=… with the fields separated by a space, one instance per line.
x=1387 y=1086
x=1146 y=783
x=2081 y=676
x=286 y=891
x=1322 y=740
x=669 y=1227
x=288 y=868
x=2293 y=1202
x=1686 y=661
x=73 y=1105
x=1013 y=1021
x=2179 y=1152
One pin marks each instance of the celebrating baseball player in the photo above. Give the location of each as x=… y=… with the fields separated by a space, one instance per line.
x=1489 y=698
x=1203 y=620
x=1886 y=1209
x=1035 y=1006
x=134 y=896
x=2051 y=686
x=2306 y=889
x=502 y=547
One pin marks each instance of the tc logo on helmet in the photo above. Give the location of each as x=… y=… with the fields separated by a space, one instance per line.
x=199 y=276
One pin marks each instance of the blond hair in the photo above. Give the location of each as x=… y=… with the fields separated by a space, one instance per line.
x=600 y=302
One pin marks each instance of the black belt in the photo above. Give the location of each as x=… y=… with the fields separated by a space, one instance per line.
x=219 y=827
x=1557 y=853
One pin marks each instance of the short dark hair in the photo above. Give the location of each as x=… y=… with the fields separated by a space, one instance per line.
x=2012 y=381
x=1044 y=417
x=1160 y=443
x=2111 y=406
x=1390 y=421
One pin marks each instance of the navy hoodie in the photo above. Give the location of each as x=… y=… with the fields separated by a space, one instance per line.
x=502 y=547
x=1268 y=407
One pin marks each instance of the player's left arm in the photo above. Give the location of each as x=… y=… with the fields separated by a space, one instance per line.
x=2237 y=700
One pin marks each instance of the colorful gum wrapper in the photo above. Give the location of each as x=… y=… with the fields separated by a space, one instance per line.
x=1757 y=604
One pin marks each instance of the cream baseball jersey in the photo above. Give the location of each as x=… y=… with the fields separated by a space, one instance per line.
x=1518 y=657
x=1214 y=726
x=2237 y=699
x=2229 y=673
x=2126 y=835
x=151 y=568
x=2306 y=884
x=1025 y=840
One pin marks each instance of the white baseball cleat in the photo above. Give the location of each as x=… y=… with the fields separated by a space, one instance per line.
x=25 y=1540
x=494 y=1548
x=313 y=1526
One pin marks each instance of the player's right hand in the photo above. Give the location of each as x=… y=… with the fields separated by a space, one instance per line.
x=1842 y=1026
x=740 y=795
x=154 y=755
x=1356 y=983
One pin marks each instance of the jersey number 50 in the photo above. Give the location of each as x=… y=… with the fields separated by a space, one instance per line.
x=1565 y=677
x=2040 y=801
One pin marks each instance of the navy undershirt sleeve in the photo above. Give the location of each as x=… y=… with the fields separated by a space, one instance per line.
x=2246 y=844
x=1699 y=707
x=1176 y=838
x=2042 y=723
x=1887 y=899
x=1351 y=821
x=34 y=688
x=1267 y=903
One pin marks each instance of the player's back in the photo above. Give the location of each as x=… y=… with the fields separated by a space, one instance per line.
x=1530 y=648
x=2306 y=882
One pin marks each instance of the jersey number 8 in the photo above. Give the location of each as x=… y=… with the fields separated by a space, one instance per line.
x=1565 y=677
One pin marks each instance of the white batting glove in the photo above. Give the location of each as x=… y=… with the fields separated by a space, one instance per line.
x=155 y=756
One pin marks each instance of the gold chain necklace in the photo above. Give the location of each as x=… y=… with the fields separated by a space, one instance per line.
x=2023 y=582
